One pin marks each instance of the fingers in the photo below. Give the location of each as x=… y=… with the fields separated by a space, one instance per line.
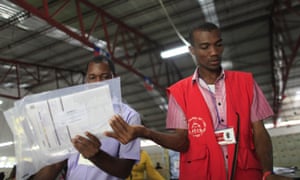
x=117 y=123
x=121 y=130
x=78 y=143
x=79 y=140
x=116 y=136
x=111 y=134
x=87 y=147
x=93 y=139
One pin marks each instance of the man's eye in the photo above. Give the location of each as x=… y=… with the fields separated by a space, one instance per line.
x=92 y=77
x=105 y=76
x=219 y=44
x=203 y=46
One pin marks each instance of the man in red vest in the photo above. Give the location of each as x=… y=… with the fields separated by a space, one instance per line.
x=217 y=117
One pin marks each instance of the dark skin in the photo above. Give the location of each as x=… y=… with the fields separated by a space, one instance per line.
x=176 y=140
x=89 y=147
x=207 y=47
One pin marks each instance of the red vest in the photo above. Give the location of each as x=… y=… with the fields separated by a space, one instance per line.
x=204 y=159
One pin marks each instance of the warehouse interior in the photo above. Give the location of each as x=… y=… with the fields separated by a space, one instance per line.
x=45 y=45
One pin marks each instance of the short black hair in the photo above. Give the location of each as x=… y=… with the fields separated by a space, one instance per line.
x=105 y=59
x=206 y=26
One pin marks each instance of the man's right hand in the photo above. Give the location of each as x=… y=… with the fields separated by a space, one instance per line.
x=122 y=131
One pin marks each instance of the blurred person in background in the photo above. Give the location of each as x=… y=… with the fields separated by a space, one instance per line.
x=144 y=169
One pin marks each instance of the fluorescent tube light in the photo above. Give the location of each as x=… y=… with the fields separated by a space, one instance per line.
x=174 y=52
x=6 y=144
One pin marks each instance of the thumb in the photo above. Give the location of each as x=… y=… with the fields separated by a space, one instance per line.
x=115 y=136
x=110 y=134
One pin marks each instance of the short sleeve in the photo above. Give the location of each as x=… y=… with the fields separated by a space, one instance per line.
x=175 y=117
x=260 y=108
x=130 y=150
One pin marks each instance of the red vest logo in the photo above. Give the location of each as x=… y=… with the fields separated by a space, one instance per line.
x=197 y=126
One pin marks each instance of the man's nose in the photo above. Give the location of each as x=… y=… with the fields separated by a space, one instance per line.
x=99 y=78
x=214 y=51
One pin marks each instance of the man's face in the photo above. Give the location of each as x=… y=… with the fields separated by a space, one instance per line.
x=98 y=72
x=208 y=49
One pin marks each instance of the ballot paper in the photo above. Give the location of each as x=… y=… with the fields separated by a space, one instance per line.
x=57 y=120
x=43 y=124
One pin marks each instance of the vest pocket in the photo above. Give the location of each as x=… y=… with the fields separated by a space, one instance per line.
x=194 y=164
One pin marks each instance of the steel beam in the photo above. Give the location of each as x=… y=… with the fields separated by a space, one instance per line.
x=280 y=43
x=43 y=13
x=19 y=69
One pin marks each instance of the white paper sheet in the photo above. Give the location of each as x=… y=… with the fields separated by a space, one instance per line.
x=43 y=123
x=57 y=120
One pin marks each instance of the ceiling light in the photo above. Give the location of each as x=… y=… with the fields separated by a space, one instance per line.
x=227 y=64
x=174 y=52
x=5 y=66
x=269 y=125
x=8 y=85
x=288 y=123
x=1 y=102
x=24 y=85
x=297 y=97
x=6 y=144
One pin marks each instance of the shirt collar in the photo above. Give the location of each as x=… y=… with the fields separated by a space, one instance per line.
x=196 y=76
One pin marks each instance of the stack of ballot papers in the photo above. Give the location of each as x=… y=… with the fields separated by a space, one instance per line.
x=44 y=124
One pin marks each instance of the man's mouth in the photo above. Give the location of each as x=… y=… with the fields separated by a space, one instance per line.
x=215 y=61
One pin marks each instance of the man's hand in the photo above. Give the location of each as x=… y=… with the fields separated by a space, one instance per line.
x=87 y=147
x=123 y=132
